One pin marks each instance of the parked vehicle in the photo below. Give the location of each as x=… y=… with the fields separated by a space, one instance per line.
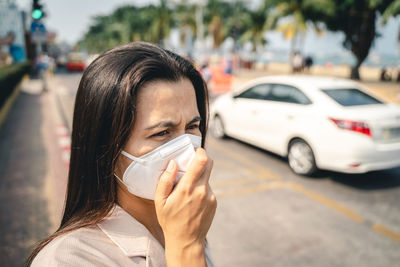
x=316 y=122
x=76 y=61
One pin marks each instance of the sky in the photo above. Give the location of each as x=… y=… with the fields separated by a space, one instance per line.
x=71 y=19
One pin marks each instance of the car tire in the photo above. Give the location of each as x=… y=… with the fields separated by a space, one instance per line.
x=218 y=129
x=301 y=158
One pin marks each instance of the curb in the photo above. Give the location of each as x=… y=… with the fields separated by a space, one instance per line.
x=64 y=142
x=10 y=100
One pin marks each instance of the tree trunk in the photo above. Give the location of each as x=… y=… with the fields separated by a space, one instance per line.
x=360 y=36
x=355 y=74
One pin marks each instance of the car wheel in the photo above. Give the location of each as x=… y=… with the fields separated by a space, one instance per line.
x=301 y=158
x=218 y=130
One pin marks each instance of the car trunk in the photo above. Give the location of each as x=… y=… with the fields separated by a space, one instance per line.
x=383 y=120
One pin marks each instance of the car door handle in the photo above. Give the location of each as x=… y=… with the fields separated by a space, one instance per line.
x=290 y=117
x=254 y=111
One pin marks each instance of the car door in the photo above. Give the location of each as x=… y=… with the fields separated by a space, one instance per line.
x=284 y=112
x=247 y=112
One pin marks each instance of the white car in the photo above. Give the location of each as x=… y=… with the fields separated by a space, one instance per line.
x=316 y=122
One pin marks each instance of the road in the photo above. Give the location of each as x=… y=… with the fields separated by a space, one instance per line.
x=266 y=215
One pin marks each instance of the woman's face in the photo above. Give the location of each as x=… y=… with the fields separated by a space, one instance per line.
x=164 y=111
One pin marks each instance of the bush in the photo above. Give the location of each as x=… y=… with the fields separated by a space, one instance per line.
x=10 y=76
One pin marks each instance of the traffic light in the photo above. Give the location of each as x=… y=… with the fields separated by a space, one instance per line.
x=37 y=12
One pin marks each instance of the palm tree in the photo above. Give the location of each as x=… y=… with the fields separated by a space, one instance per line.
x=294 y=26
x=186 y=17
x=392 y=10
x=356 y=19
x=216 y=12
x=162 y=23
x=255 y=27
x=239 y=22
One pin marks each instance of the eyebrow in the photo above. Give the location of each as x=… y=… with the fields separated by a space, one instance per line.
x=164 y=124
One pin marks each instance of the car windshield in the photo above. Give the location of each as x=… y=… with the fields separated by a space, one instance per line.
x=351 y=97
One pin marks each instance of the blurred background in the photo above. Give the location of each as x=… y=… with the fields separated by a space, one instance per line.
x=277 y=207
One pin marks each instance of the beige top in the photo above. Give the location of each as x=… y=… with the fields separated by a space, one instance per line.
x=118 y=240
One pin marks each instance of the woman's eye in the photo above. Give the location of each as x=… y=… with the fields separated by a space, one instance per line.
x=192 y=127
x=162 y=133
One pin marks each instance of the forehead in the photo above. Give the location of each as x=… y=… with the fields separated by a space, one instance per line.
x=166 y=100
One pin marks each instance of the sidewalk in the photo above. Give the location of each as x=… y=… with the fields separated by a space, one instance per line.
x=31 y=171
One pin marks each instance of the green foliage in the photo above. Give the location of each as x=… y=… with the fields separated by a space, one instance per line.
x=10 y=76
x=153 y=23
x=392 y=10
x=186 y=16
x=357 y=20
x=254 y=27
x=218 y=17
x=126 y=24
x=217 y=8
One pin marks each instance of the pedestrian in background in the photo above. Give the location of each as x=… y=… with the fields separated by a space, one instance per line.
x=297 y=62
x=308 y=62
x=138 y=191
x=42 y=65
x=398 y=73
x=15 y=53
x=385 y=74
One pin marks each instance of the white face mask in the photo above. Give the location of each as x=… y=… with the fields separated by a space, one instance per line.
x=142 y=175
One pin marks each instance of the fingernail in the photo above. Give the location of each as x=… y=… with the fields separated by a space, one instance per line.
x=170 y=166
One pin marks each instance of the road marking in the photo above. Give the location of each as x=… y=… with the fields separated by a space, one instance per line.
x=62 y=130
x=386 y=231
x=296 y=187
x=267 y=174
x=227 y=165
x=62 y=90
x=64 y=140
x=252 y=189
x=259 y=170
x=230 y=182
x=326 y=201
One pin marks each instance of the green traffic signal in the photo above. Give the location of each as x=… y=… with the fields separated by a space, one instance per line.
x=37 y=14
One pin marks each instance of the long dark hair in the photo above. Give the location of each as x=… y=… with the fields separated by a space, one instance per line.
x=104 y=115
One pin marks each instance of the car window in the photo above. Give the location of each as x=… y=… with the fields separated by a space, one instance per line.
x=351 y=97
x=260 y=91
x=288 y=94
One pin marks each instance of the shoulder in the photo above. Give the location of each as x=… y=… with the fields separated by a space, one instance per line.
x=87 y=246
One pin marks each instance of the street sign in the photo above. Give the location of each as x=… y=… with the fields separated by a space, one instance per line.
x=38 y=32
x=37 y=26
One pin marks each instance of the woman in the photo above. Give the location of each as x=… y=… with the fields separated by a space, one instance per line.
x=138 y=191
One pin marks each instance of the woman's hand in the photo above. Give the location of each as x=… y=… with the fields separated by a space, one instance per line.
x=185 y=212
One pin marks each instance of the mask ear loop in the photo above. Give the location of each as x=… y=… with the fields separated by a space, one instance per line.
x=122 y=182
x=118 y=178
x=126 y=154
x=129 y=156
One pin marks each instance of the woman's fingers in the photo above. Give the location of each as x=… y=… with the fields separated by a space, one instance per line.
x=207 y=172
x=185 y=213
x=199 y=169
x=166 y=183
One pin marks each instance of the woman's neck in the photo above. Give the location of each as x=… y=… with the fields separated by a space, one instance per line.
x=143 y=210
